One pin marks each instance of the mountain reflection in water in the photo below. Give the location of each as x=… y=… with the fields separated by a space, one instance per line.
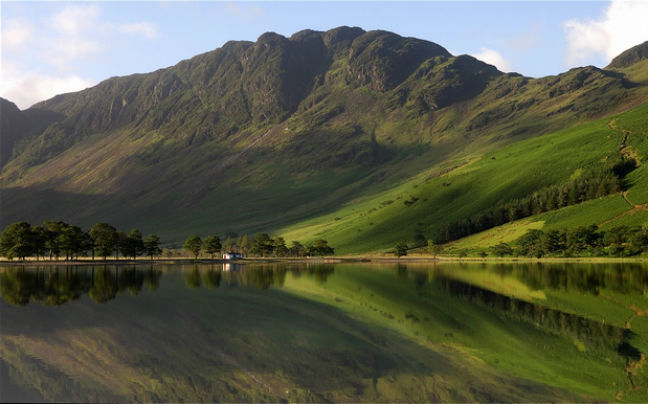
x=365 y=328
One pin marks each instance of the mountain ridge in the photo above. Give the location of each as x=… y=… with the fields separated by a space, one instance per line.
x=630 y=56
x=284 y=128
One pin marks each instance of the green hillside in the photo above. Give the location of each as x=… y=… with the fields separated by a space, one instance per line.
x=364 y=138
x=426 y=202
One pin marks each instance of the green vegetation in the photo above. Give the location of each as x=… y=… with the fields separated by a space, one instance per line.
x=589 y=241
x=596 y=183
x=21 y=240
x=400 y=249
x=365 y=139
x=553 y=162
x=18 y=240
x=105 y=238
x=193 y=244
x=212 y=245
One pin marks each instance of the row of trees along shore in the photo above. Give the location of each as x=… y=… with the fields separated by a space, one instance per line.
x=54 y=239
x=260 y=245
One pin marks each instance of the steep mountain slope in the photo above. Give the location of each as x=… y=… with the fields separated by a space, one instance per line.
x=260 y=136
x=17 y=126
x=424 y=204
x=630 y=57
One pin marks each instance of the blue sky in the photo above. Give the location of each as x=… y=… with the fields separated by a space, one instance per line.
x=54 y=47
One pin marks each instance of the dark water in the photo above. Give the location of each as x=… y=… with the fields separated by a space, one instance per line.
x=367 y=333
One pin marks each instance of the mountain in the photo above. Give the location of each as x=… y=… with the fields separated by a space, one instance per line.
x=630 y=57
x=291 y=136
x=17 y=126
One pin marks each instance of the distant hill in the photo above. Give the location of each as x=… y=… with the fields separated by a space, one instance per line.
x=283 y=133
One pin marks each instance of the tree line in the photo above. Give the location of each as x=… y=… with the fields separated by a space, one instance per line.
x=622 y=241
x=57 y=238
x=594 y=183
x=261 y=245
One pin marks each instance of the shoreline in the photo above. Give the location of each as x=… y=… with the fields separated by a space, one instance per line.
x=364 y=259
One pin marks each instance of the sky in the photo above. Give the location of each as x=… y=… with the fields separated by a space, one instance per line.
x=55 y=47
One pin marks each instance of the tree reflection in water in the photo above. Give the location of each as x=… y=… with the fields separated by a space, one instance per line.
x=58 y=285
x=596 y=335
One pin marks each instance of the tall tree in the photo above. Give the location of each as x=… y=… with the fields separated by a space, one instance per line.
x=134 y=244
x=400 y=249
x=297 y=249
x=39 y=239
x=122 y=244
x=16 y=240
x=262 y=244
x=105 y=238
x=212 y=245
x=193 y=244
x=245 y=244
x=72 y=241
x=152 y=245
x=279 y=247
x=320 y=247
x=53 y=237
x=502 y=249
x=434 y=249
x=230 y=244
x=88 y=244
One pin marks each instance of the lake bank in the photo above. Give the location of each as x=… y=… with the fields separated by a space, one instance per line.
x=423 y=259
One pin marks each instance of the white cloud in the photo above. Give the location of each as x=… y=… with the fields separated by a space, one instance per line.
x=75 y=20
x=80 y=32
x=26 y=88
x=61 y=52
x=494 y=58
x=623 y=26
x=75 y=33
x=15 y=33
x=145 y=29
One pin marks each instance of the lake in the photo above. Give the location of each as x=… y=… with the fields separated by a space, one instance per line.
x=450 y=332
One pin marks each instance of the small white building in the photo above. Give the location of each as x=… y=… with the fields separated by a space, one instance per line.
x=232 y=256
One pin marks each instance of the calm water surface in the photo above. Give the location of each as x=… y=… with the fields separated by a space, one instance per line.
x=346 y=332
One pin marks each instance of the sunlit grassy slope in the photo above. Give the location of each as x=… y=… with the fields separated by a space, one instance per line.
x=425 y=202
